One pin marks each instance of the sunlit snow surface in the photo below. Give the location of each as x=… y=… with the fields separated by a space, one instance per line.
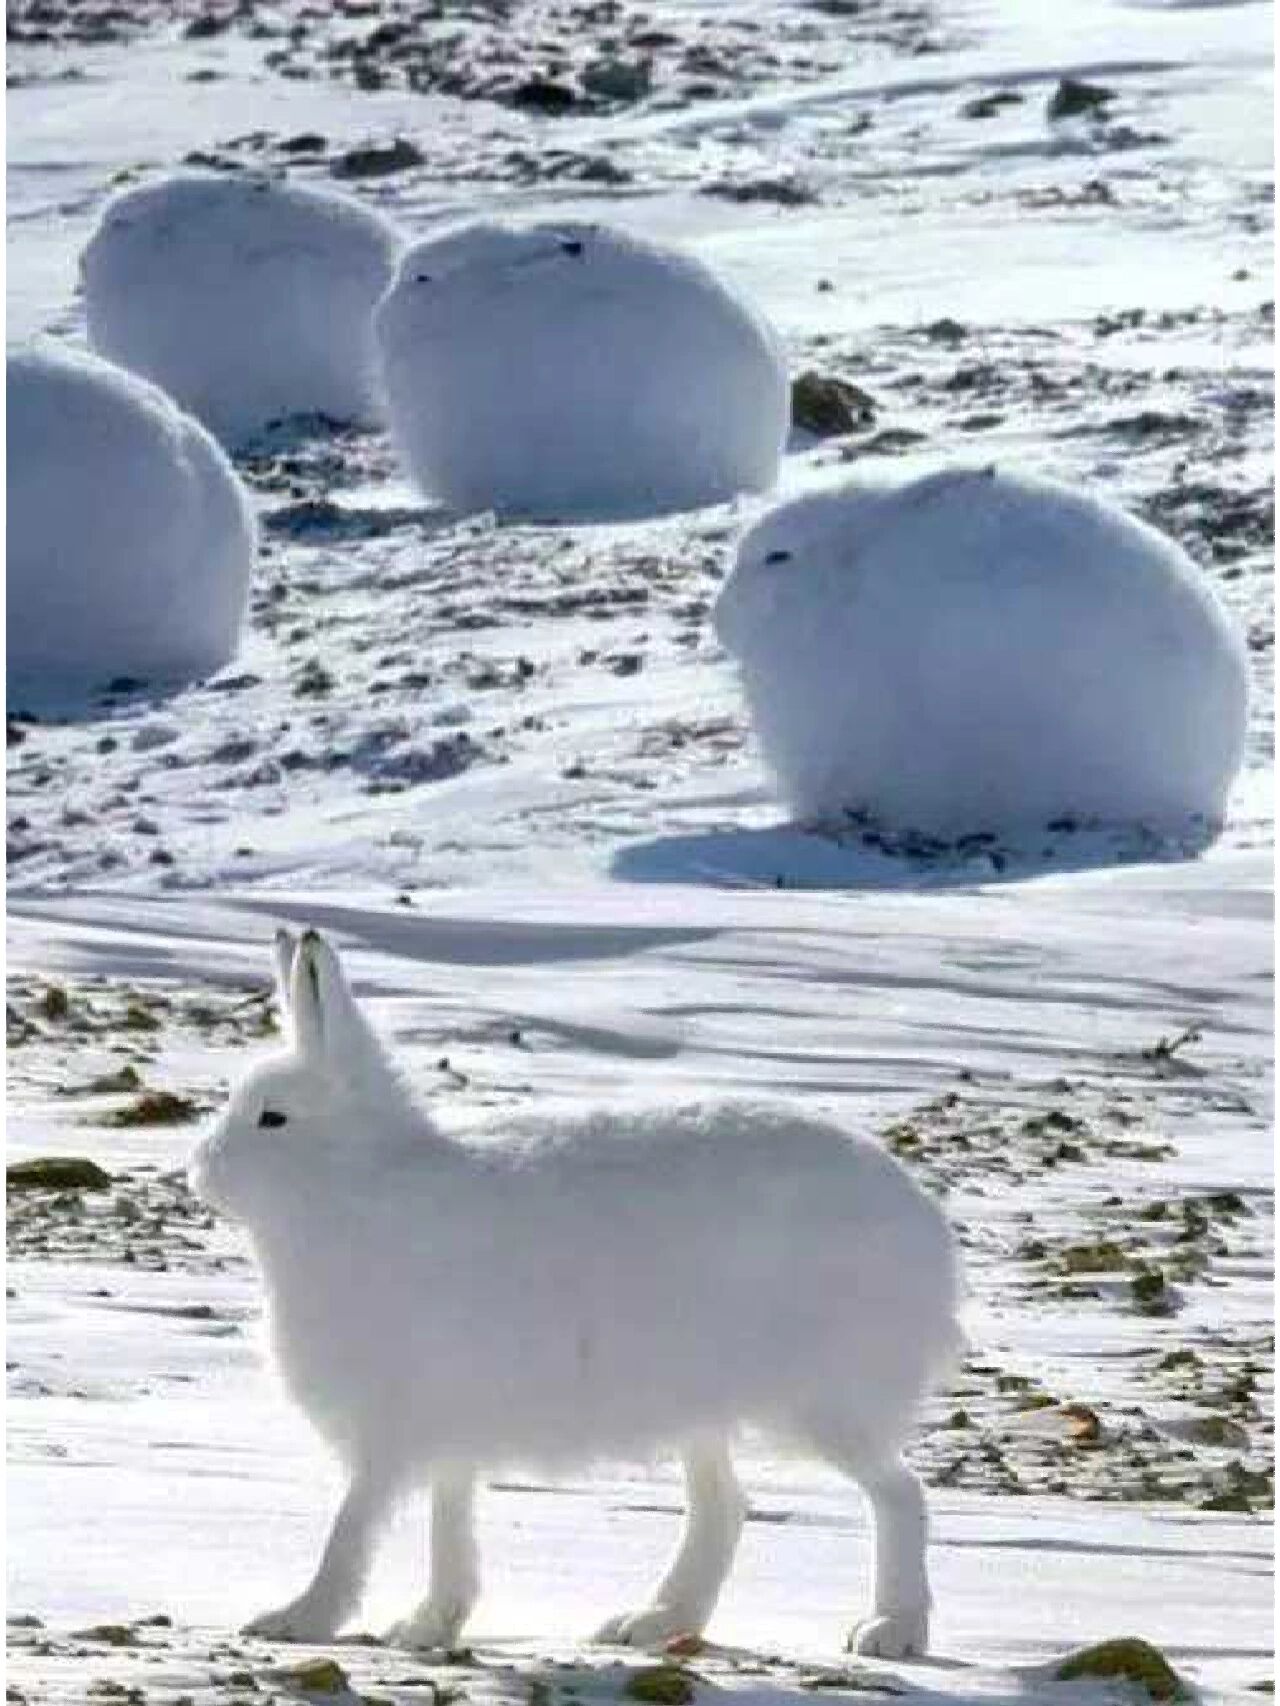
x=528 y=736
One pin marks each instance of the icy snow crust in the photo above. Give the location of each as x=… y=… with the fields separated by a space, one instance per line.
x=577 y=372
x=978 y=650
x=130 y=537
x=247 y=298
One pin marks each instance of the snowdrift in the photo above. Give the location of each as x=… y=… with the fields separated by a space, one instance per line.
x=130 y=537
x=976 y=650
x=578 y=373
x=247 y=298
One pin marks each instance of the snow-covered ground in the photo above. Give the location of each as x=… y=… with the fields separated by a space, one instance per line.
x=508 y=767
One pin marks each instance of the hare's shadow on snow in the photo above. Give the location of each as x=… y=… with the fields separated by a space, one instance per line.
x=29 y=699
x=792 y=856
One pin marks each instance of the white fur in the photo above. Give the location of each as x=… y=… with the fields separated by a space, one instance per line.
x=979 y=650
x=247 y=298
x=569 y=1288
x=576 y=372
x=130 y=538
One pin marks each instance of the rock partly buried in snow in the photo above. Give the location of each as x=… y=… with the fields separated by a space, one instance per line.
x=56 y=1173
x=130 y=537
x=976 y=650
x=576 y=372
x=247 y=298
x=1127 y=1659
x=829 y=407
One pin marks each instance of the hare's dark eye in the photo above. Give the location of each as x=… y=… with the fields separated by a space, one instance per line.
x=778 y=557
x=269 y=1117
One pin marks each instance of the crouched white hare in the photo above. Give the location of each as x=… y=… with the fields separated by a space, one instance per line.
x=570 y=1289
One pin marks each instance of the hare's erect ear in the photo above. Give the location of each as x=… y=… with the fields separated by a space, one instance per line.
x=284 y=948
x=326 y=1019
x=304 y=996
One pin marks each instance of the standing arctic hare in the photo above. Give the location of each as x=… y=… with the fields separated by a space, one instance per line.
x=569 y=1289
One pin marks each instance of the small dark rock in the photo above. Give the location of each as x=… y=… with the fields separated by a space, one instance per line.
x=206 y=25
x=1150 y=1293
x=618 y=79
x=987 y=106
x=314 y=680
x=892 y=441
x=540 y=94
x=1129 y=1659
x=1073 y=97
x=211 y=162
x=110 y=1634
x=116 y=1083
x=660 y=1685
x=232 y=683
x=784 y=192
x=155 y=1107
x=315 y=1676
x=600 y=169
x=377 y=161
x=56 y=1173
x=54 y=1003
x=827 y=406
x=305 y=142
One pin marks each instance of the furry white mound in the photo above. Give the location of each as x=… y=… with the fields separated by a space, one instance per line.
x=247 y=298
x=977 y=651
x=577 y=373
x=130 y=537
x=570 y=1288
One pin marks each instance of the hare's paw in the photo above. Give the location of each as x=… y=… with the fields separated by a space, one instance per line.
x=895 y=1635
x=303 y=1619
x=435 y=1624
x=655 y=1626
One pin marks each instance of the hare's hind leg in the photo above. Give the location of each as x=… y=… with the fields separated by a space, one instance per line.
x=455 y=1568
x=899 y=1621
x=333 y=1596
x=687 y=1594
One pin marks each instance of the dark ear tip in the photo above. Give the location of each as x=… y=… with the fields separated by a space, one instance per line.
x=311 y=937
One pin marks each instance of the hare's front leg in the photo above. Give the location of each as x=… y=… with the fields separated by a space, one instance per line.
x=334 y=1594
x=687 y=1594
x=455 y=1566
